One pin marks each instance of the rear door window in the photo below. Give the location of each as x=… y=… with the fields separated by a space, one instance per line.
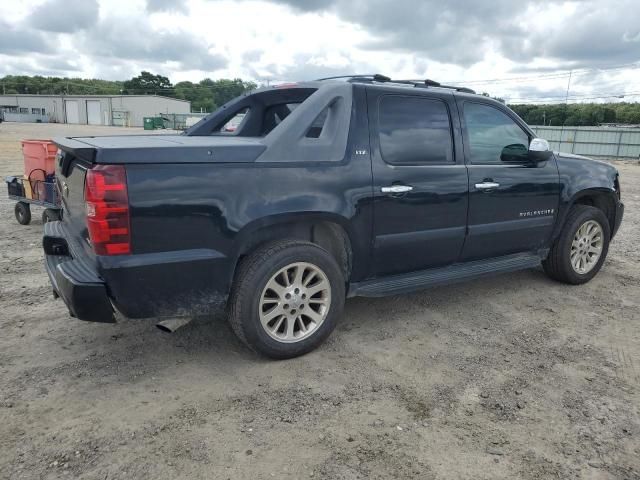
x=414 y=131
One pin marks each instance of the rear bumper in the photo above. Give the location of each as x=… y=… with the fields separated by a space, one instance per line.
x=165 y=284
x=73 y=280
x=618 y=220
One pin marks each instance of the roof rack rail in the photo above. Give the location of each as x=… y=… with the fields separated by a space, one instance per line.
x=376 y=77
x=432 y=83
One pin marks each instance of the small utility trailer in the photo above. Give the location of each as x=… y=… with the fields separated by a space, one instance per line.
x=37 y=185
x=43 y=194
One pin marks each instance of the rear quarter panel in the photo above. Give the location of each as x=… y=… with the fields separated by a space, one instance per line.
x=205 y=206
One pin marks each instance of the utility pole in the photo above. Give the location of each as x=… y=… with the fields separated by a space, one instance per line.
x=566 y=98
x=566 y=106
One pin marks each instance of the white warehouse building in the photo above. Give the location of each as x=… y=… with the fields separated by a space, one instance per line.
x=117 y=110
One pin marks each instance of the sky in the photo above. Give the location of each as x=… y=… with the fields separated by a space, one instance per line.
x=523 y=51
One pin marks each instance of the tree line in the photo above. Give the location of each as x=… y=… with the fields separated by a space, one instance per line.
x=207 y=95
x=579 y=114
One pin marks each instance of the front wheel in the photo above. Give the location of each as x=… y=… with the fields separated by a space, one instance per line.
x=580 y=250
x=287 y=298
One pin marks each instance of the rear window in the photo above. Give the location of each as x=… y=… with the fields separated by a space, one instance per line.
x=232 y=125
x=257 y=114
x=414 y=131
x=318 y=124
x=275 y=114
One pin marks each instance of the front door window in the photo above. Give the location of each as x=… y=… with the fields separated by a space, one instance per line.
x=494 y=138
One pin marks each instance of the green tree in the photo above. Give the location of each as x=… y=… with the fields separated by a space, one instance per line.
x=57 y=86
x=579 y=114
x=148 y=84
x=208 y=94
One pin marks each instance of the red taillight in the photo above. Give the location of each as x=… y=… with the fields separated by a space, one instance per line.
x=105 y=193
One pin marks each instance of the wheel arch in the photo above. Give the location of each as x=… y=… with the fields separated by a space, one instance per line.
x=329 y=231
x=603 y=199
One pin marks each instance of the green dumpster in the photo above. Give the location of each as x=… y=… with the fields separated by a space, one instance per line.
x=148 y=123
x=158 y=122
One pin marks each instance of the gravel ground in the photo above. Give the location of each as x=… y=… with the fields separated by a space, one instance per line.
x=514 y=376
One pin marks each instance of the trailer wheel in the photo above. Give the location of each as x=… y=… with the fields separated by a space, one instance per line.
x=50 y=215
x=23 y=213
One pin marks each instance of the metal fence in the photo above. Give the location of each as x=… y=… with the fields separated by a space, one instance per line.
x=180 y=121
x=609 y=142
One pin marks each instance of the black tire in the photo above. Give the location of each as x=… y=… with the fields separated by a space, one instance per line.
x=23 y=213
x=50 y=215
x=558 y=264
x=252 y=276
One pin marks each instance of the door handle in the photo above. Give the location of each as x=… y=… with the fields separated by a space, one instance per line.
x=397 y=189
x=487 y=185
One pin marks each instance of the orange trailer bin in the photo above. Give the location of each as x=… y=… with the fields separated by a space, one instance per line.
x=39 y=155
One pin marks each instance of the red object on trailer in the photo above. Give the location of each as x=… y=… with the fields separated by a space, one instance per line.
x=39 y=155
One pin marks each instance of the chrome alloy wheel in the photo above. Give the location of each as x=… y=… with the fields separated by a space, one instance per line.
x=586 y=247
x=295 y=302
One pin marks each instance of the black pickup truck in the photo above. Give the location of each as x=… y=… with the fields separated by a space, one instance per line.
x=288 y=199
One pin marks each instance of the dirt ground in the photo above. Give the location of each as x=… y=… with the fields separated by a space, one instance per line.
x=510 y=377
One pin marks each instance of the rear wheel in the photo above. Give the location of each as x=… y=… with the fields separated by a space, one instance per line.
x=580 y=250
x=287 y=298
x=23 y=213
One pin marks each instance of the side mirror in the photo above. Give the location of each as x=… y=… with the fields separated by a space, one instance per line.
x=539 y=150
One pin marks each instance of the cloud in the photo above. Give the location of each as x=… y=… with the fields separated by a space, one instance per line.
x=463 y=32
x=304 y=67
x=129 y=39
x=252 y=56
x=287 y=40
x=179 y=6
x=17 y=41
x=65 y=16
x=308 y=5
x=458 y=32
x=594 y=33
x=37 y=64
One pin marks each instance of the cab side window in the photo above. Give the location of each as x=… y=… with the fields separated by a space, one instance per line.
x=493 y=137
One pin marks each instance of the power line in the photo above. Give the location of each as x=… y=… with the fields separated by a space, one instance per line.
x=575 y=96
x=555 y=75
x=571 y=99
x=109 y=90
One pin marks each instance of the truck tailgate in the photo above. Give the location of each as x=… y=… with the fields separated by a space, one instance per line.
x=131 y=149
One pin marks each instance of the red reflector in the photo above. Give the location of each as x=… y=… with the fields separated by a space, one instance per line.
x=105 y=194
